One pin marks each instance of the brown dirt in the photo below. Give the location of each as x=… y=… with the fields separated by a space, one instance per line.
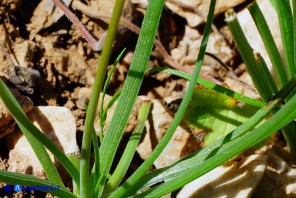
x=38 y=36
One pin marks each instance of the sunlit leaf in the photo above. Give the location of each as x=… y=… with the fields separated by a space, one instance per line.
x=211 y=114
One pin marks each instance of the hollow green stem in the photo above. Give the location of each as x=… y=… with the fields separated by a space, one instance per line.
x=269 y=43
x=247 y=55
x=130 y=149
x=122 y=190
x=259 y=72
x=131 y=86
x=85 y=190
x=287 y=32
x=270 y=84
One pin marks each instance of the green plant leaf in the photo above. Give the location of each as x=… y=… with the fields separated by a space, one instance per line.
x=130 y=149
x=131 y=87
x=28 y=128
x=231 y=145
x=86 y=190
x=29 y=180
x=170 y=172
x=212 y=114
x=256 y=72
x=211 y=85
x=286 y=26
x=269 y=43
x=122 y=191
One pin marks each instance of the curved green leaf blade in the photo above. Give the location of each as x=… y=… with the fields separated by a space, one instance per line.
x=172 y=171
x=131 y=87
x=29 y=180
x=211 y=85
x=27 y=126
x=122 y=191
x=218 y=156
x=211 y=114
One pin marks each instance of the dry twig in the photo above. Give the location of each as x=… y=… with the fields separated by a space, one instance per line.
x=97 y=14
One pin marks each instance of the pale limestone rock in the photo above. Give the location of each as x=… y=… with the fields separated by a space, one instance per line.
x=187 y=51
x=279 y=179
x=140 y=3
x=6 y=120
x=181 y=143
x=195 y=11
x=252 y=33
x=238 y=179
x=45 y=15
x=57 y=123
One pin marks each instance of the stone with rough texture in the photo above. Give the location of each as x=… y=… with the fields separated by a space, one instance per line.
x=252 y=33
x=180 y=145
x=195 y=11
x=279 y=178
x=6 y=120
x=238 y=179
x=57 y=123
x=45 y=15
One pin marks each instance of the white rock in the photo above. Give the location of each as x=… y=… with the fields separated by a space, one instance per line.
x=45 y=15
x=252 y=33
x=194 y=18
x=7 y=122
x=239 y=179
x=181 y=143
x=57 y=123
x=279 y=178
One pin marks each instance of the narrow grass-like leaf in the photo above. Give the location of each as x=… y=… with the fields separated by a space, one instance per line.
x=29 y=180
x=287 y=32
x=130 y=149
x=290 y=137
x=197 y=168
x=121 y=191
x=21 y=118
x=294 y=30
x=43 y=157
x=269 y=43
x=75 y=159
x=255 y=69
x=247 y=55
x=211 y=85
x=96 y=167
x=110 y=104
x=104 y=93
x=131 y=86
x=172 y=171
x=85 y=190
x=265 y=71
x=95 y=173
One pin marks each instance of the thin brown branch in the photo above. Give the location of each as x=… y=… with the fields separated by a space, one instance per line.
x=102 y=15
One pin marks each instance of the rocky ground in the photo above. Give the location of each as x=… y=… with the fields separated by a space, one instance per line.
x=51 y=71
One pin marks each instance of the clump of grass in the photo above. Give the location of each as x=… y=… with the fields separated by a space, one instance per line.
x=256 y=65
x=95 y=180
